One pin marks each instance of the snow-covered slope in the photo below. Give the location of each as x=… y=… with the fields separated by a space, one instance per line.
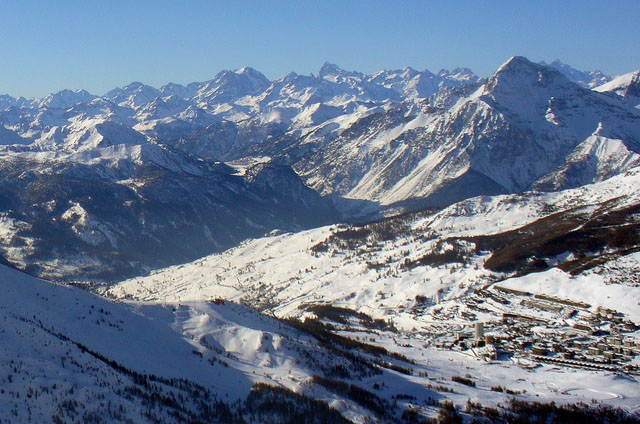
x=66 y=98
x=8 y=137
x=229 y=86
x=134 y=95
x=290 y=270
x=68 y=354
x=371 y=141
x=77 y=170
x=626 y=86
x=431 y=277
x=71 y=356
x=373 y=320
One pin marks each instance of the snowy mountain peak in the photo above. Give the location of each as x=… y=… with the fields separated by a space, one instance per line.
x=252 y=73
x=228 y=86
x=289 y=78
x=334 y=73
x=245 y=69
x=329 y=69
x=517 y=64
x=626 y=86
x=409 y=72
x=518 y=72
x=238 y=75
x=135 y=95
x=177 y=89
x=257 y=78
x=134 y=85
x=67 y=98
x=6 y=101
x=458 y=74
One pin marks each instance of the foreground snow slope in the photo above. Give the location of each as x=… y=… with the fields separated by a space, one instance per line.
x=69 y=355
x=57 y=342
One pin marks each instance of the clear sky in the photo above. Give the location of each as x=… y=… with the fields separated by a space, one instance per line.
x=49 y=45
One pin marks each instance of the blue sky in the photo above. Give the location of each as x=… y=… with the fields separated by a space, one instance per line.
x=97 y=45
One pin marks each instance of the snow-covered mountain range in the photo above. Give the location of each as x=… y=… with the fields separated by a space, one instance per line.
x=525 y=127
x=140 y=169
x=590 y=79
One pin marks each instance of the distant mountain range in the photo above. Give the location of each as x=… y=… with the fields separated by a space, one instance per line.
x=103 y=187
x=526 y=127
x=590 y=79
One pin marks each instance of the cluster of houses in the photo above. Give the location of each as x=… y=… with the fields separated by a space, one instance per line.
x=544 y=329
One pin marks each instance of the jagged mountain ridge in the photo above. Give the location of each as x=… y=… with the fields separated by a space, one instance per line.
x=590 y=79
x=526 y=127
x=96 y=198
x=106 y=187
x=231 y=95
